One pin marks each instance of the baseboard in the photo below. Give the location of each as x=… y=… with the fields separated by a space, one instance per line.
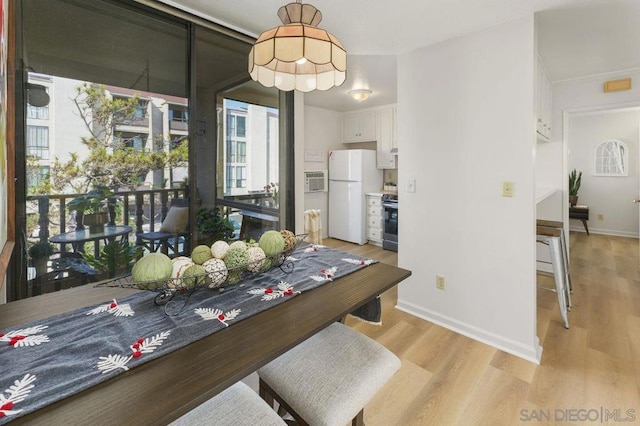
x=529 y=353
x=605 y=232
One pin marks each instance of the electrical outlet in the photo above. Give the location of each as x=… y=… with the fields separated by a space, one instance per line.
x=600 y=217
x=507 y=189
x=441 y=283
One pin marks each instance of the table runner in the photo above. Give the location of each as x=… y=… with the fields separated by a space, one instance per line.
x=48 y=360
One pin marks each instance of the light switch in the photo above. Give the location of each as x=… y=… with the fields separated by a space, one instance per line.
x=507 y=189
x=411 y=185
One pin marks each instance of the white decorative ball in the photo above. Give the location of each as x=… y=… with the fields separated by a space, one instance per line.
x=219 y=249
x=256 y=259
x=217 y=271
x=180 y=264
x=238 y=244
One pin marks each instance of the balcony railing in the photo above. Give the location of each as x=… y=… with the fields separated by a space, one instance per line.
x=143 y=210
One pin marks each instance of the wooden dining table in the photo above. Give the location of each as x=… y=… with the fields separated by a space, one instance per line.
x=161 y=390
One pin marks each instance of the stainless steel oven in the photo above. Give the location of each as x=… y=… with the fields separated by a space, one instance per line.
x=390 y=224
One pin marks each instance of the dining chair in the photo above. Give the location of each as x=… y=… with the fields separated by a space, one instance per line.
x=329 y=378
x=237 y=405
x=551 y=237
x=565 y=252
x=173 y=230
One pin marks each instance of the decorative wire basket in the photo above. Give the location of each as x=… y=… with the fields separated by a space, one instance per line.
x=221 y=279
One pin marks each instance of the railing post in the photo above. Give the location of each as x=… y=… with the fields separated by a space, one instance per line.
x=139 y=211
x=43 y=222
x=164 y=200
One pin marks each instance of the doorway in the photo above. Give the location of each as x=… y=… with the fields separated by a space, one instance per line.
x=607 y=195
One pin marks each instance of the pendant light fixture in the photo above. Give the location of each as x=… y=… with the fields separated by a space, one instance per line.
x=298 y=55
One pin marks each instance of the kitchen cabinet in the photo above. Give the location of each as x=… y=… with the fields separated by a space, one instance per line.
x=385 y=133
x=359 y=127
x=543 y=104
x=374 y=219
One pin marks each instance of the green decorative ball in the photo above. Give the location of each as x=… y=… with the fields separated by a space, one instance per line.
x=152 y=267
x=193 y=275
x=201 y=254
x=236 y=260
x=272 y=243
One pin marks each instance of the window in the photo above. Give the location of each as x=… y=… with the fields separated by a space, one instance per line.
x=38 y=142
x=241 y=177
x=130 y=140
x=38 y=113
x=177 y=114
x=38 y=176
x=611 y=158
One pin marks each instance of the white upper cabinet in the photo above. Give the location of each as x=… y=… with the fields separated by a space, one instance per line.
x=359 y=127
x=543 y=104
x=385 y=132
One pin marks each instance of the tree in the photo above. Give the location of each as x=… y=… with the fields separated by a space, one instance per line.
x=113 y=161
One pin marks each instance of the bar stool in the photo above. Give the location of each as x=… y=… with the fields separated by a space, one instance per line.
x=551 y=238
x=565 y=252
x=329 y=378
x=235 y=406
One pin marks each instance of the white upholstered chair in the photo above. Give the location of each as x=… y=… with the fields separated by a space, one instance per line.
x=329 y=378
x=236 y=406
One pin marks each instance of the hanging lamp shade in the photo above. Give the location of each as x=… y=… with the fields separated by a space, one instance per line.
x=298 y=55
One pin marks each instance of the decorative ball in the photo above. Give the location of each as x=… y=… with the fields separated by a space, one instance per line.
x=268 y=263
x=152 y=267
x=236 y=260
x=217 y=271
x=179 y=265
x=201 y=254
x=272 y=243
x=219 y=249
x=238 y=244
x=193 y=275
x=256 y=259
x=289 y=239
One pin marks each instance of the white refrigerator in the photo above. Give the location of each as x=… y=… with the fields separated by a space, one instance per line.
x=352 y=173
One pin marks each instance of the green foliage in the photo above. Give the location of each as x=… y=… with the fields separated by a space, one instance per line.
x=111 y=161
x=113 y=255
x=214 y=225
x=40 y=249
x=575 y=179
x=94 y=201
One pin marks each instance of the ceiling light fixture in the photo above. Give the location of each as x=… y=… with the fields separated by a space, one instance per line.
x=298 y=55
x=360 y=94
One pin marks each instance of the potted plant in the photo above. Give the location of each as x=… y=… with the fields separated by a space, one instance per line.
x=213 y=226
x=39 y=254
x=575 y=179
x=115 y=259
x=92 y=208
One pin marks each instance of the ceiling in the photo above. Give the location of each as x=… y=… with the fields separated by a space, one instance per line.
x=577 y=38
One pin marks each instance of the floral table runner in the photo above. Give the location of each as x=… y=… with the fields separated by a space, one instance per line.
x=48 y=360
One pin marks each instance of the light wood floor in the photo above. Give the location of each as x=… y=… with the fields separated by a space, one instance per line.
x=449 y=379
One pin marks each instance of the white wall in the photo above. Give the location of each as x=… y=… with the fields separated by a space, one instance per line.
x=465 y=111
x=323 y=132
x=572 y=95
x=607 y=196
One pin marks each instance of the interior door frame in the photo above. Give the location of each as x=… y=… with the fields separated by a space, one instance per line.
x=566 y=115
